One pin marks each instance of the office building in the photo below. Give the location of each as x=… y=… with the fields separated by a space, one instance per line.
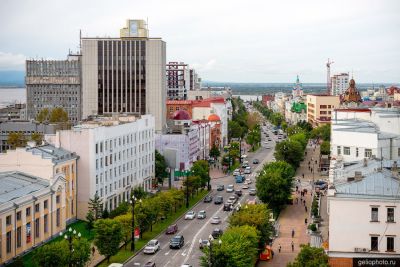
x=13 y=112
x=31 y=212
x=54 y=83
x=320 y=107
x=339 y=83
x=115 y=155
x=125 y=74
x=179 y=80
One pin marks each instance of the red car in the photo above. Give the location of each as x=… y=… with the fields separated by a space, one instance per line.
x=172 y=229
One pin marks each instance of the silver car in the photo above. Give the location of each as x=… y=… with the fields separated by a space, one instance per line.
x=201 y=214
x=190 y=215
x=152 y=247
x=230 y=188
x=215 y=220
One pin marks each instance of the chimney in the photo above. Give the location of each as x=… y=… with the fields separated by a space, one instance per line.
x=394 y=169
x=358 y=176
x=57 y=142
x=365 y=162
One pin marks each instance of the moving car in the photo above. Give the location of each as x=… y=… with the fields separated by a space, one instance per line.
x=229 y=188
x=236 y=172
x=245 y=186
x=201 y=214
x=152 y=247
x=248 y=181
x=149 y=264
x=215 y=220
x=256 y=161
x=233 y=199
x=190 y=215
x=172 y=229
x=216 y=233
x=227 y=206
x=176 y=242
x=218 y=200
x=239 y=193
x=238 y=179
x=269 y=139
x=220 y=187
x=247 y=170
x=208 y=199
x=252 y=192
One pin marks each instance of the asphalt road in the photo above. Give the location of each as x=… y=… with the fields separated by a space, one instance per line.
x=193 y=230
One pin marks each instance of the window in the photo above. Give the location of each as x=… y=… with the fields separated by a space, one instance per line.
x=58 y=199
x=46 y=204
x=390 y=214
x=398 y=152
x=37 y=207
x=19 y=237
x=9 y=242
x=322 y=106
x=45 y=223
x=28 y=232
x=72 y=207
x=390 y=243
x=18 y=215
x=374 y=214
x=346 y=150
x=58 y=219
x=368 y=153
x=339 y=150
x=8 y=220
x=28 y=211
x=37 y=228
x=374 y=243
x=356 y=152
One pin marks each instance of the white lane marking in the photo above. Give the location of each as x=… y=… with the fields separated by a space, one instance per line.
x=137 y=264
x=197 y=234
x=166 y=253
x=167 y=263
x=183 y=253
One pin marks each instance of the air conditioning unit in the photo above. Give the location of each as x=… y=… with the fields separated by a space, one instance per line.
x=362 y=250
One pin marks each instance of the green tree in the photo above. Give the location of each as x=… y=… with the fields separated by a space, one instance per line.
x=254 y=137
x=43 y=115
x=58 y=115
x=126 y=222
x=301 y=138
x=306 y=126
x=37 y=138
x=290 y=151
x=160 y=167
x=214 y=152
x=52 y=255
x=139 y=192
x=274 y=184
x=16 y=139
x=325 y=148
x=238 y=248
x=122 y=208
x=294 y=129
x=90 y=219
x=322 y=132
x=81 y=252
x=310 y=257
x=253 y=119
x=108 y=236
x=234 y=130
x=201 y=169
x=96 y=207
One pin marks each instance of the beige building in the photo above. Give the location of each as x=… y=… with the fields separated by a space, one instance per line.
x=32 y=210
x=319 y=108
x=46 y=161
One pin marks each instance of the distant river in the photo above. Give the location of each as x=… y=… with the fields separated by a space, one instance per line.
x=11 y=96
x=249 y=97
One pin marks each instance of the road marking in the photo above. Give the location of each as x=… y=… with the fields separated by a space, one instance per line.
x=137 y=264
x=166 y=253
x=183 y=253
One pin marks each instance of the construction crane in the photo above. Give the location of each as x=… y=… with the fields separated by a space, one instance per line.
x=329 y=83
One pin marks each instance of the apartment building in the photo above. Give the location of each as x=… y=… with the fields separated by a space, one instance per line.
x=115 y=154
x=13 y=112
x=339 y=83
x=179 y=80
x=54 y=83
x=32 y=210
x=320 y=107
x=125 y=74
x=46 y=161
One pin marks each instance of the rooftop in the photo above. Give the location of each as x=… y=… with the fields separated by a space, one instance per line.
x=14 y=185
x=51 y=152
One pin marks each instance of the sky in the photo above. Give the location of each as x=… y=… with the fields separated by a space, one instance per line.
x=228 y=41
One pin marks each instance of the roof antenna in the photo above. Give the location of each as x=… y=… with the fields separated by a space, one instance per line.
x=147 y=24
x=80 y=39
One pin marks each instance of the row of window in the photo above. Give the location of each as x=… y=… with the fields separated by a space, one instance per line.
x=389 y=214
x=389 y=243
x=346 y=151
x=108 y=144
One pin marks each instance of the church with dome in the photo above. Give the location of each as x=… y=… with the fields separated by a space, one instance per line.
x=351 y=97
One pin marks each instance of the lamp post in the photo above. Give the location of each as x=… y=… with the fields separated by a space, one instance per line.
x=187 y=190
x=69 y=236
x=240 y=149
x=210 y=245
x=132 y=201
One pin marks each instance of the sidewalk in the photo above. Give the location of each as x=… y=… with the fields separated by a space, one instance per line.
x=293 y=216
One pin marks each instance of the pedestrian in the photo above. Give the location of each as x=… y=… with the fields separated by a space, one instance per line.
x=305 y=208
x=292 y=233
x=297 y=188
x=303 y=175
x=292 y=246
x=316 y=162
x=279 y=248
x=93 y=250
x=304 y=202
x=305 y=221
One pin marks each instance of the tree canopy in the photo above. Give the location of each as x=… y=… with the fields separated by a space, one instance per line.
x=322 y=132
x=53 y=116
x=160 y=167
x=16 y=139
x=310 y=257
x=108 y=236
x=290 y=151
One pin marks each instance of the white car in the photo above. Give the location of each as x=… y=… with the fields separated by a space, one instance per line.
x=247 y=170
x=229 y=188
x=233 y=199
x=248 y=181
x=236 y=172
x=215 y=220
x=190 y=215
x=152 y=247
x=201 y=214
x=245 y=186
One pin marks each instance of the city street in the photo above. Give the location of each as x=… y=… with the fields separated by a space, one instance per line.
x=193 y=230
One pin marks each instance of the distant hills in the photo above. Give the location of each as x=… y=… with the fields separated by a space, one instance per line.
x=12 y=78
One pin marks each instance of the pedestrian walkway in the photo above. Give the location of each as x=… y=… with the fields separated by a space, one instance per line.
x=293 y=216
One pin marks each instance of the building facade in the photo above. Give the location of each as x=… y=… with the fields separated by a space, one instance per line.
x=125 y=75
x=46 y=162
x=179 y=80
x=32 y=210
x=320 y=107
x=339 y=83
x=13 y=112
x=115 y=155
x=54 y=83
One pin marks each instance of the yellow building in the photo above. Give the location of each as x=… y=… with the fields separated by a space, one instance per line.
x=319 y=108
x=32 y=210
x=46 y=161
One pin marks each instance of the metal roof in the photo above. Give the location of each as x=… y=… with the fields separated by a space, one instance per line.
x=51 y=152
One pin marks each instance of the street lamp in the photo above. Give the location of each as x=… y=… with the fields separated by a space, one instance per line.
x=69 y=236
x=132 y=201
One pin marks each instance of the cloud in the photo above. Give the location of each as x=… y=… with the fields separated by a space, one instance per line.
x=9 y=61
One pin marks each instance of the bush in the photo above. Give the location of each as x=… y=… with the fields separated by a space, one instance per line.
x=312 y=227
x=121 y=209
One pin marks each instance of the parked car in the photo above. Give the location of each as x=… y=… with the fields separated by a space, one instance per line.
x=245 y=186
x=247 y=170
x=256 y=161
x=252 y=192
x=233 y=199
x=220 y=187
x=172 y=229
x=269 y=139
x=227 y=206
x=236 y=172
x=150 y=264
x=176 y=242
x=216 y=233
x=152 y=247
x=218 y=200
x=229 y=188
x=239 y=193
x=201 y=214
x=245 y=165
x=190 y=215
x=215 y=220
x=248 y=181
x=203 y=243
x=208 y=199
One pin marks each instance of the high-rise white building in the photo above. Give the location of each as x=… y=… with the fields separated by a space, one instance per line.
x=340 y=82
x=115 y=155
x=125 y=74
